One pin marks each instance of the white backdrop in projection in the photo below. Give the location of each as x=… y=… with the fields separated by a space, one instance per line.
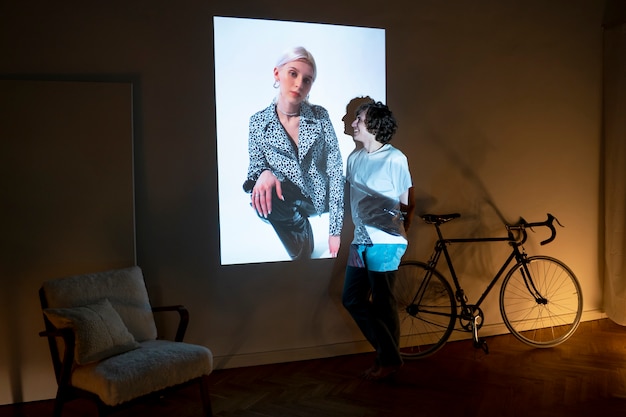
x=350 y=64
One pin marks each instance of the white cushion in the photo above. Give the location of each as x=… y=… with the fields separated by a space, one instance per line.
x=99 y=330
x=155 y=365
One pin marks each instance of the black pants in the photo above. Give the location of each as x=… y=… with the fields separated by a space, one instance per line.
x=368 y=297
x=290 y=219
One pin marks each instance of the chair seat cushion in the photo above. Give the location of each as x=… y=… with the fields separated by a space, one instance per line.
x=155 y=365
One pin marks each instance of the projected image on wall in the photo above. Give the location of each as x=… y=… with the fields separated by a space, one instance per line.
x=282 y=92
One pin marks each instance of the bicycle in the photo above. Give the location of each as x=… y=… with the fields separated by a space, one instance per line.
x=540 y=298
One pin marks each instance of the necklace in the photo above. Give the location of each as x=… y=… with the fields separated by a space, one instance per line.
x=287 y=114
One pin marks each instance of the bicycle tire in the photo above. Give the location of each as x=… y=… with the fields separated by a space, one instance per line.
x=427 y=316
x=541 y=324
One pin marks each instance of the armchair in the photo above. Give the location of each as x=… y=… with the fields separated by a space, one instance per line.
x=104 y=346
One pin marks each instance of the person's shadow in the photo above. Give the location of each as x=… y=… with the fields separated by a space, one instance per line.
x=350 y=115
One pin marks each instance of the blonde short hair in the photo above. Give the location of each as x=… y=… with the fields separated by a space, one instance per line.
x=298 y=53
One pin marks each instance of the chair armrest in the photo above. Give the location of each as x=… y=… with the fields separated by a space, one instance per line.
x=183 y=313
x=63 y=367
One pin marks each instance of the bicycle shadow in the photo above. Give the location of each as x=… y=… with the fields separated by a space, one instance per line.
x=481 y=215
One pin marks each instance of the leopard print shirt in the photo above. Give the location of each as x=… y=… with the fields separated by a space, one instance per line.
x=315 y=166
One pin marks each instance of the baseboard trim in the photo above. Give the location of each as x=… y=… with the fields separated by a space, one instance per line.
x=348 y=348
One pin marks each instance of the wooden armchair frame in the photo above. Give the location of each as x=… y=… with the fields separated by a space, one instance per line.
x=64 y=366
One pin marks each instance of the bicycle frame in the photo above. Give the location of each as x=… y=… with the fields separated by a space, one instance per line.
x=441 y=246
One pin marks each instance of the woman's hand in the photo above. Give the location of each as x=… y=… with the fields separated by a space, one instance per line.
x=333 y=245
x=262 y=193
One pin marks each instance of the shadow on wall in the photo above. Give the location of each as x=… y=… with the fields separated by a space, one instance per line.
x=12 y=343
x=450 y=183
x=467 y=170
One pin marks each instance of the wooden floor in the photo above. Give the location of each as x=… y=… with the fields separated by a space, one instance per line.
x=585 y=376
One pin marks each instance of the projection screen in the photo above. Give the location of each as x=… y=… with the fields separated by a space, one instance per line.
x=350 y=65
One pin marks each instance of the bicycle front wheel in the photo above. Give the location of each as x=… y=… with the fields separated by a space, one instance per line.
x=426 y=308
x=541 y=301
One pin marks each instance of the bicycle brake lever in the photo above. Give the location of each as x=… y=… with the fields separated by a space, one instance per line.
x=555 y=219
x=552 y=236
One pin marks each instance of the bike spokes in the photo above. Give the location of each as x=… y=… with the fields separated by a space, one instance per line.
x=426 y=309
x=547 y=320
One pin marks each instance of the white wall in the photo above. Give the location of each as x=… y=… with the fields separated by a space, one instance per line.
x=499 y=112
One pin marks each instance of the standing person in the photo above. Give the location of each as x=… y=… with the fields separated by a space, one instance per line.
x=295 y=170
x=380 y=181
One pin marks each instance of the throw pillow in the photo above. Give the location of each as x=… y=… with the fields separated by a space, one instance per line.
x=99 y=329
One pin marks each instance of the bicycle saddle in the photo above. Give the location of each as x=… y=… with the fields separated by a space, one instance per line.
x=439 y=218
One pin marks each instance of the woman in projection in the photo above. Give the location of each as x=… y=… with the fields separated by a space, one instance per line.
x=295 y=166
x=380 y=184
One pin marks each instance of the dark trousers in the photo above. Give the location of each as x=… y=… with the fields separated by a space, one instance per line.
x=290 y=219
x=368 y=297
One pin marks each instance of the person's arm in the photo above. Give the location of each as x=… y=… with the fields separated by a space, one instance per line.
x=407 y=206
x=336 y=181
x=334 y=171
x=334 y=241
x=261 y=197
x=261 y=179
x=256 y=150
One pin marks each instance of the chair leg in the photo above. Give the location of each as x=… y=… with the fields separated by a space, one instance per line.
x=59 y=401
x=58 y=407
x=204 y=393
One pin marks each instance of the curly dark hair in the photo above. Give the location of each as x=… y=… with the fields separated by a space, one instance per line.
x=379 y=120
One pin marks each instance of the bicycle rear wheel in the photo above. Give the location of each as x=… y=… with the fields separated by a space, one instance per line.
x=551 y=318
x=426 y=308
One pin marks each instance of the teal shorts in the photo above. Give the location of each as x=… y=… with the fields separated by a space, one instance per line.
x=381 y=257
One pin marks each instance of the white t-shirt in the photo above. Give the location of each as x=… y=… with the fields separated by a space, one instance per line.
x=385 y=171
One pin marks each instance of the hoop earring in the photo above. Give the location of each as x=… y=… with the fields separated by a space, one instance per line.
x=276 y=84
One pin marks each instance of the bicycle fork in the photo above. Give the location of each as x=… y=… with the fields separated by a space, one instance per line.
x=528 y=281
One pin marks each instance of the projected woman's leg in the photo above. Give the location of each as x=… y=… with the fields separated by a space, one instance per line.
x=290 y=220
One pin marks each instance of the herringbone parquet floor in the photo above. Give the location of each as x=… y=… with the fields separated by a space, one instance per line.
x=585 y=376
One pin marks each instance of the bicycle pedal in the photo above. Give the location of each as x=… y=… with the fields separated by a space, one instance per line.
x=482 y=344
